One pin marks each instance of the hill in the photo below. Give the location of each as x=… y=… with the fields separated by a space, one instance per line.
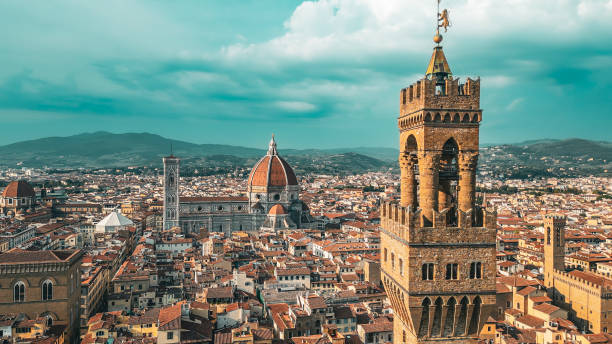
x=547 y=157
x=104 y=149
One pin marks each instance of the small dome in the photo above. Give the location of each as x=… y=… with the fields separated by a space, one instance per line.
x=277 y=209
x=19 y=188
x=272 y=170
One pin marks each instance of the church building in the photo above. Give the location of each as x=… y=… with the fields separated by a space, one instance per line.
x=271 y=201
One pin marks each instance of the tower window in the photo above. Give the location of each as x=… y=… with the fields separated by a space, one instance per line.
x=476 y=270
x=385 y=254
x=401 y=267
x=427 y=272
x=451 y=271
x=392 y=260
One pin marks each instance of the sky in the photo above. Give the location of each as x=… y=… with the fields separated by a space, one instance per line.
x=318 y=74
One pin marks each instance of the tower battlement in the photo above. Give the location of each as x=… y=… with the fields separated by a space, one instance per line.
x=430 y=94
x=554 y=220
x=402 y=221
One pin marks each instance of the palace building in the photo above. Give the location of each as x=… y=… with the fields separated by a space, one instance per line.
x=42 y=284
x=586 y=295
x=271 y=201
x=437 y=246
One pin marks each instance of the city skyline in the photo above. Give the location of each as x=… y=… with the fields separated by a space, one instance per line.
x=319 y=74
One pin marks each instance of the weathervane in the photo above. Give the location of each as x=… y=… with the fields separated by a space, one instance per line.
x=441 y=21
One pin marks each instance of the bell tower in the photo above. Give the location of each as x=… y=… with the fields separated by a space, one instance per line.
x=554 y=247
x=437 y=246
x=171 y=192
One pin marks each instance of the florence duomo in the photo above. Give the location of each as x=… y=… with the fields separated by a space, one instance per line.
x=272 y=200
x=145 y=198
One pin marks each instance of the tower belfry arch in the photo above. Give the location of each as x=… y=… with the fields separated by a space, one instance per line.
x=445 y=241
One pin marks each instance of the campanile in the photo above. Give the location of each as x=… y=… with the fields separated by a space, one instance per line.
x=437 y=245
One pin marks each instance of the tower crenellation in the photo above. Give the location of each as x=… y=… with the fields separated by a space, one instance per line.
x=426 y=94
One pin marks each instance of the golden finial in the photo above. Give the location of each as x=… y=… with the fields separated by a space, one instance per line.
x=441 y=21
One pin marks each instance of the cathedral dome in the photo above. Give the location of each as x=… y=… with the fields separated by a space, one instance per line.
x=19 y=188
x=277 y=209
x=272 y=170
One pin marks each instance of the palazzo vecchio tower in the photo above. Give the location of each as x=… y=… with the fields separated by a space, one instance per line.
x=437 y=246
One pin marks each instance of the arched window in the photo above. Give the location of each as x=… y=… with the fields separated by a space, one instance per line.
x=475 y=270
x=19 y=292
x=427 y=272
x=47 y=290
x=451 y=271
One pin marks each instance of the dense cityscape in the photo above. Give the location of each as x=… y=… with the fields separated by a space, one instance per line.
x=139 y=282
x=106 y=238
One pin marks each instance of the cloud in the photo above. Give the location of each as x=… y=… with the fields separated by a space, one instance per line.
x=296 y=106
x=514 y=103
x=339 y=60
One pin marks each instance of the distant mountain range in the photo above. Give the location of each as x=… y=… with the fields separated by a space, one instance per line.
x=104 y=149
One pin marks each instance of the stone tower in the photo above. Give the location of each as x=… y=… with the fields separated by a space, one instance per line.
x=171 y=191
x=554 y=247
x=437 y=246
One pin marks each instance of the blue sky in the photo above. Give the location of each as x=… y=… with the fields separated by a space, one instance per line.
x=317 y=73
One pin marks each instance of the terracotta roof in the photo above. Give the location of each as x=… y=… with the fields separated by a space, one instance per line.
x=531 y=321
x=219 y=293
x=277 y=209
x=590 y=277
x=546 y=308
x=501 y=288
x=223 y=338
x=19 y=256
x=19 y=188
x=316 y=302
x=169 y=317
x=293 y=271
x=383 y=326
x=526 y=291
x=262 y=334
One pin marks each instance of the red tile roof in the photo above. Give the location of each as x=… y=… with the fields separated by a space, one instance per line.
x=19 y=188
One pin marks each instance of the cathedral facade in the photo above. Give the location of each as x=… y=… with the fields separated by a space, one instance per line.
x=437 y=246
x=271 y=201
